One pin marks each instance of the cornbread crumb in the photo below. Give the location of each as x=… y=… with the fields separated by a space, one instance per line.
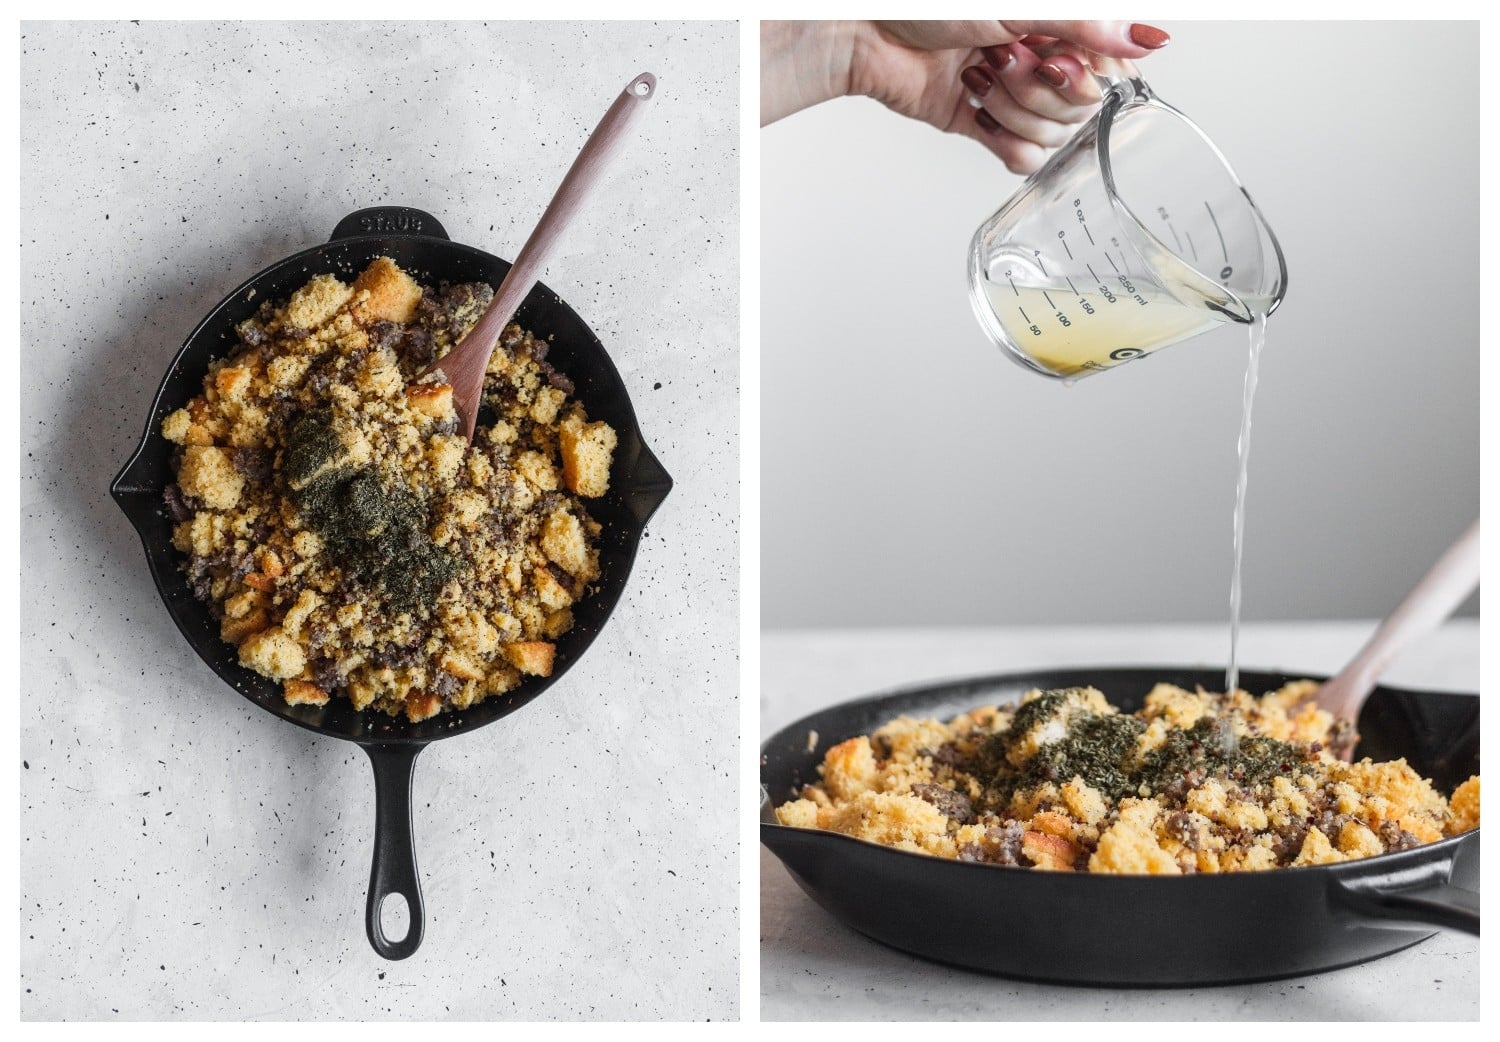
x=235 y=629
x=1131 y=845
x=232 y=381
x=802 y=814
x=587 y=449
x=175 y=426
x=435 y=400
x=287 y=370
x=444 y=454
x=315 y=303
x=273 y=653
x=533 y=657
x=386 y=293
x=1464 y=807
x=536 y=468
x=308 y=601
x=208 y=474
x=548 y=401
x=899 y=820
x=301 y=693
x=564 y=543
x=849 y=769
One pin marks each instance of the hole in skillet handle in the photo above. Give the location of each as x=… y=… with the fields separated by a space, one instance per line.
x=393 y=867
x=395 y=917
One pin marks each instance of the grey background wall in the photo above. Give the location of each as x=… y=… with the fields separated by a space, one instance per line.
x=913 y=475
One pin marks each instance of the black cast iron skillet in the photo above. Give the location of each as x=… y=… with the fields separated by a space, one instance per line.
x=1078 y=928
x=637 y=486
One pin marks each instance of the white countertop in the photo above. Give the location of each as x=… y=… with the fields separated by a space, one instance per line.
x=185 y=855
x=815 y=968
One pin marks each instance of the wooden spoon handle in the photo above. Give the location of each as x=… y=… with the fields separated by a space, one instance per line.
x=1432 y=600
x=466 y=364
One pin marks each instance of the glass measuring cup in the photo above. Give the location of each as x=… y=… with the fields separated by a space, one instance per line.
x=1135 y=235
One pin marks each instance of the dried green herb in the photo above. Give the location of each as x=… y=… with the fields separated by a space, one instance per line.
x=311 y=445
x=1253 y=761
x=1101 y=748
x=1038 y=709
x=377 y=534
x=1097 y=747
x=407 y=567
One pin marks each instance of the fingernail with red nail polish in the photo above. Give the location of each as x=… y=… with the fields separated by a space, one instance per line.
x=1148 y=36
x=990 y=124
x=998 y=57
x=977 y=79
x=1052 y=76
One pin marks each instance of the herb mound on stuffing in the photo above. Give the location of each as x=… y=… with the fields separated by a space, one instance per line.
x=337 y=528
x=1063 y=781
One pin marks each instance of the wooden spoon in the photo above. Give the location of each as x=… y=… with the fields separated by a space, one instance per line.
x=1432 y=600
x=464 y=366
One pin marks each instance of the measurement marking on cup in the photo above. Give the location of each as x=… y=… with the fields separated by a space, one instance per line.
x=1070 y=285
x=1112 y=263
x=1090 y=235
x=1064 y=241
x=1024 y=317
x=1217 y=230
x=1175 y=238
x=1013 y=285
x=1190 y=244
x=1047 y=297
x=1039 y=262
x=1093 y=272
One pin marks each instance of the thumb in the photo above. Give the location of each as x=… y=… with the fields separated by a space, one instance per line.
x=1112 y=39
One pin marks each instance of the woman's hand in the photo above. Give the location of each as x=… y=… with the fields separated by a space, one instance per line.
x=1018 y=88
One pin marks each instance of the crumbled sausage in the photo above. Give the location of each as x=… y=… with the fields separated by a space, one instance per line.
x=946 y=800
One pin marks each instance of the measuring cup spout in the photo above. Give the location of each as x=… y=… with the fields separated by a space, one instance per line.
x=1150 y=153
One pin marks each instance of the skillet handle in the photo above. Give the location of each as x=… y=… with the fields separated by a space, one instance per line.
x=394 y=867
x=1439 y=904
x=389 y=220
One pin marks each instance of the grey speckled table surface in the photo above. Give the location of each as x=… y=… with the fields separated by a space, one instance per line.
x=814 y=968
x=184 y=854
